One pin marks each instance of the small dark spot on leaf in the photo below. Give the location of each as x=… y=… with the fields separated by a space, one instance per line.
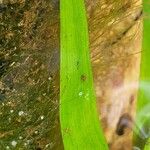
x=77 y=64
x=83 y=77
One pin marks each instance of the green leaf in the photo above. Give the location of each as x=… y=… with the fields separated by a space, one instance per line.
x=80 y=126
x=143 y=103
x=147 y=145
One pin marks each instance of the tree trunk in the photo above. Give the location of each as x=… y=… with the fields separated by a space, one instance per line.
x=115 y=40
x=29 y=75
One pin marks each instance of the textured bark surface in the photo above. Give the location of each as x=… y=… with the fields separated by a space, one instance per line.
x=29 y=75
x=115 y=40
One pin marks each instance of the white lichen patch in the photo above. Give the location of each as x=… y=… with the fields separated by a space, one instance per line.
x=25 y=144
x=20 y=137
x=44 y=94
x=14 y=143
x=41 y=117
x=36 y=132
x=12 y=64
x=20 y=23
x=7 y=147
x=28 y=141
x=47 y=145
x=50 y=78
x=11 y=111
x=9 y=119
x=20 y=113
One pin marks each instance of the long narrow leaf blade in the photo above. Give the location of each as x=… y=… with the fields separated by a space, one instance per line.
x=143 y=103
x=79 y=119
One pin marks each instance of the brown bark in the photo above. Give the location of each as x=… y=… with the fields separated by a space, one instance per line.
x=29 y=75
x=115 y=41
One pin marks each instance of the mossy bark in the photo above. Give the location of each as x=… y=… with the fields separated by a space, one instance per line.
x=29 y=75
